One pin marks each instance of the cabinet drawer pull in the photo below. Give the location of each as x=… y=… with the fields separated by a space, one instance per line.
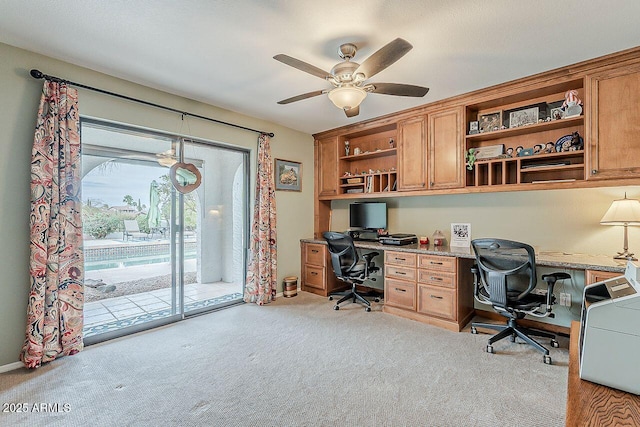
x=402 y=273
x=400 y=259
x=314 y=273
x=400 y=290
x=436 y=278
x=315 y=251
x=435 y=296
x=436 y=263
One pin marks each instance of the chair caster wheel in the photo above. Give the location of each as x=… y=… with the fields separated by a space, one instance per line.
x=337 y=307
x=367 y=309
x=474 y=330
x=490 y=349
x=512 y=338
x=554 y=344
x=330 y=298
x=547 y=359
x=377 y=300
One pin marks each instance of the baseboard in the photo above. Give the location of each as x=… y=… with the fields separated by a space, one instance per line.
x=11 y=367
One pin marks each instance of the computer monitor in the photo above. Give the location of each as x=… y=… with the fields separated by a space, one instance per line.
x=368 y=216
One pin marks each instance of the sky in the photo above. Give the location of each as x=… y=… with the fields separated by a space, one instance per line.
x=110 y=184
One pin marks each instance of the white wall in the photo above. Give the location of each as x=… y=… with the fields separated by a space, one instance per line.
x=20 y=95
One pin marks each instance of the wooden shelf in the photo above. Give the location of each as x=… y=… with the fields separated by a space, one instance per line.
x=370 y=155
x=524 y=130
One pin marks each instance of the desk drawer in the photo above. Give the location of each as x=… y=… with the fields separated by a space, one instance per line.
x=314 y=276
x=400 y=258
x=440 y=263
x=436 y=301
x=315 y=254
x=404 y=273
x=436 y=278
x=400 y=294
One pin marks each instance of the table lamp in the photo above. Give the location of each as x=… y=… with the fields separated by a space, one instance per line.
x=623 y=212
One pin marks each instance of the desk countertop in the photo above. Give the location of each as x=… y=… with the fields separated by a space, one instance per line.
x=543 y=258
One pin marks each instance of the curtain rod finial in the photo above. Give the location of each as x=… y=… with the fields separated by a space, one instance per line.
x=36 y=74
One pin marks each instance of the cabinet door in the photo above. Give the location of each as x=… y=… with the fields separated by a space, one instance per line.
x=327 y=166
x=446 y=153
x=594 y=276
x=412 y=154
x=614 y=113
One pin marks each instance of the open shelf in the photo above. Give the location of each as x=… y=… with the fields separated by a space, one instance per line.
x=524 y=130
x=370 y=155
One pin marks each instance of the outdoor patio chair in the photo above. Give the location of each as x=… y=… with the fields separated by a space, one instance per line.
x=132 y=230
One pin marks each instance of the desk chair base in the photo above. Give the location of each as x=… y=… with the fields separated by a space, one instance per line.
x=356 y=296
x=513 y=330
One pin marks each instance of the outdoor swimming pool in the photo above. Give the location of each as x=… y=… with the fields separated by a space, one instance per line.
x=132 y=261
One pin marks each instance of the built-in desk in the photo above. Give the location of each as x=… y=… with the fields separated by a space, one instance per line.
x=452 y=301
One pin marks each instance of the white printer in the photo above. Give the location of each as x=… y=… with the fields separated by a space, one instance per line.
x=610 y=331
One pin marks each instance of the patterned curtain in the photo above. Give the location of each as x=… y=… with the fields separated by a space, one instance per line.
x=262 y=272
x=56 y=299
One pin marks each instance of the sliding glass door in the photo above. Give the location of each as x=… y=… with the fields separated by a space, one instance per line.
x=152 y=254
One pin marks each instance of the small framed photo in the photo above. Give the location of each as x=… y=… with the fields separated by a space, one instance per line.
x=288 y=175
x=557 y=114
x=460 y=234
x=473 y=127
x=528 y=116
x=490 y=122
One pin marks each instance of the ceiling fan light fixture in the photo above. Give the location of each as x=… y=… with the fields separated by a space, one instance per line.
x=347 y=97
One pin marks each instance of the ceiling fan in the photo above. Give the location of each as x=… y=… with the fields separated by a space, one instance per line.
x=349 y=78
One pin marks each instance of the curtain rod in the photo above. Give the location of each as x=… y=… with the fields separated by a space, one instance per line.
x=37 y=74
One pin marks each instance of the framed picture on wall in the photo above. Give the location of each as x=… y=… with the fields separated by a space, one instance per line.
x=288 y=175
x=460 y=235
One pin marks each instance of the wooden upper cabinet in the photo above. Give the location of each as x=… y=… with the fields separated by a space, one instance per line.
x=446 y=149
x=412 y=154
x=327 y=166
x=614 y=125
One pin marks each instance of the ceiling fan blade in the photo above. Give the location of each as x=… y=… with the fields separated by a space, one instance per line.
x=352 y=112
x=399 y=89
x=302 y=66
x=384 y=57
x=301 y=97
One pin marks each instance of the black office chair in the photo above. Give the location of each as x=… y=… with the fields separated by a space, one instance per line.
x=349 y=268
x=505 y=277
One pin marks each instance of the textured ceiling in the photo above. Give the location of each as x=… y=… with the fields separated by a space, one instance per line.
x=220 y=52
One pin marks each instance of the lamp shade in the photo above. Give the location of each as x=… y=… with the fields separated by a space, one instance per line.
x=621 y=212
x=347 y=97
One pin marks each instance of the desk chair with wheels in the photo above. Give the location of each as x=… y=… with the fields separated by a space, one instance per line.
x=349 y=268
x=505 y=278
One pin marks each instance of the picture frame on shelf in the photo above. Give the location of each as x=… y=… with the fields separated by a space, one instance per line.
x=287 y=175
x=489 y=152
x=460 y=235
x=523 y=117
x=490 y=122
x=474 y=127
x=557 y=113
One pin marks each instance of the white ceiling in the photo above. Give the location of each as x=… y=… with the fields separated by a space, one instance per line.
x=220 y=51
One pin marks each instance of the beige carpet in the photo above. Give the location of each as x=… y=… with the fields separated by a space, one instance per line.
x=295 y=362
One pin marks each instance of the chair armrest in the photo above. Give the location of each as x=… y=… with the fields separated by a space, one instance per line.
x=551 y=280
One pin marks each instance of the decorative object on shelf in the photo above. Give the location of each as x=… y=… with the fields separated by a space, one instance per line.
x=424 y=240
x=509 y=152
x=537 y=149
x=550 y=147
x=288 y=175
x=519 y=148
x=471 y=158
x=346 y=148
x=572 y=105
x=489 y=152
x=527 y=116
x=577 y=143
x=525 y=152
x=460 y=235
x=490 y=122
x=356 y=151
x=438 y=238
x=623 y=212
x=392 y=143
x=354 y=180
x=474 y=127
